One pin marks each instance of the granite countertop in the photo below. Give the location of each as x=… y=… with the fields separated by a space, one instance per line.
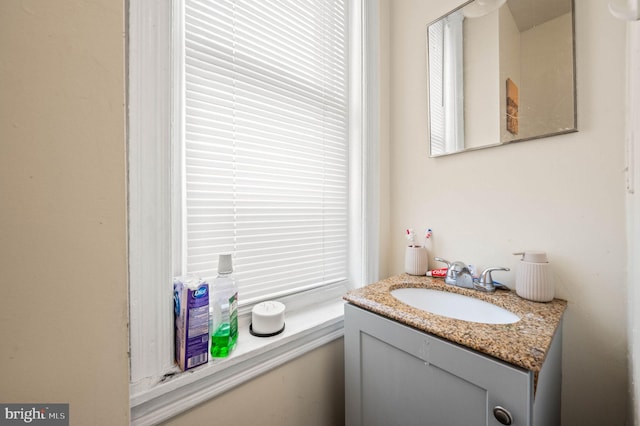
x=524 y=343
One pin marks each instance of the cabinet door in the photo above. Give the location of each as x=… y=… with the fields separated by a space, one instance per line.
x=396 y=375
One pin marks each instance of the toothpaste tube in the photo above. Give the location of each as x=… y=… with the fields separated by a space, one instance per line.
x=438 y=273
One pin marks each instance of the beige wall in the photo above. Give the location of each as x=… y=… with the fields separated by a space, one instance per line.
x=481 y=78
x=546 y=108
x=307 y=391
x=63 y=315
x=564 y=195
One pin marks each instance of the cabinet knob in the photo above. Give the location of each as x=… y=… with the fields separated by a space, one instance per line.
x=502 y=415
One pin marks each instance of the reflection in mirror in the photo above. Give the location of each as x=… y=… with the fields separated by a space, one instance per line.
x=500 y=71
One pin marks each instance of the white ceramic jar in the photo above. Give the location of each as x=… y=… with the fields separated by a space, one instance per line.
x=534 y=280
x=267 y=319
x=416 y=260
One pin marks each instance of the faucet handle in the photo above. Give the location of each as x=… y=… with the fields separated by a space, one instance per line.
x=439 y=259
x=486 y=280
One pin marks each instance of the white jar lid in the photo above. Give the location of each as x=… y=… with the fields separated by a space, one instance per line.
x=267 y=319
x=533 y=256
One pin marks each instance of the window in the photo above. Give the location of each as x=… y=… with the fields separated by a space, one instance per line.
x=264 y=137
x=199 y=122
x=446 y=80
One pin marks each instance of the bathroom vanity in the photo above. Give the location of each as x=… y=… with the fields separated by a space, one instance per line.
x=406 y=366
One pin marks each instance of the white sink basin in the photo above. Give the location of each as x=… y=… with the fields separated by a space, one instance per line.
x=454 y=305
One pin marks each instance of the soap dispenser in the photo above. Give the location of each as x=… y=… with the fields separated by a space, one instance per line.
x=533 y=277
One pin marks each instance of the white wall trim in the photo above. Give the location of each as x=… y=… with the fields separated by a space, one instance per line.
x=371 y=134
x=252 y=357
x=149 y=130
x=633 y=212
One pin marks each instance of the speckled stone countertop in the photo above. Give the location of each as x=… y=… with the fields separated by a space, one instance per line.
x=524 y=343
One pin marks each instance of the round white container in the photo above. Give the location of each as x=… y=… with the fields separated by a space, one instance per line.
x=267 y=319
x=534 y=281
x=416 y=260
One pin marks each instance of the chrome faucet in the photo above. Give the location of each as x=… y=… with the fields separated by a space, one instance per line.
x=458 y=274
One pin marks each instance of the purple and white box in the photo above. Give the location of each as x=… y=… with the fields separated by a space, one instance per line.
x=191 y=308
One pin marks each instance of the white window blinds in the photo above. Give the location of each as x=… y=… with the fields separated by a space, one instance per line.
x=265 y=150
x=435 y=43
x=446 y=81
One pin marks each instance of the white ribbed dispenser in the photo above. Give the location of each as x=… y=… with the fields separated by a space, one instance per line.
x=534 y=280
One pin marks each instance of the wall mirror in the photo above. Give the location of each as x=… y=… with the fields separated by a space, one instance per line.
x=500 y=71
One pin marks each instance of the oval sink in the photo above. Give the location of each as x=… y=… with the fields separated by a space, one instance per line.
x=454 y=305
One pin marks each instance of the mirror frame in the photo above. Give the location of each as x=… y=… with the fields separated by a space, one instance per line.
x=574 y=129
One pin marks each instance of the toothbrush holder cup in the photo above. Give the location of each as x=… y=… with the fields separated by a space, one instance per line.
x=416 y=260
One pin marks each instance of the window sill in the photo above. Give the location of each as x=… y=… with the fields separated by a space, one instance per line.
x=305 y=330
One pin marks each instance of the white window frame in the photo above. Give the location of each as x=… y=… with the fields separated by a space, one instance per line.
x=157 y=392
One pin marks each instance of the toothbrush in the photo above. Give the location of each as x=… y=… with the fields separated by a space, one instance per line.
x=411 y=237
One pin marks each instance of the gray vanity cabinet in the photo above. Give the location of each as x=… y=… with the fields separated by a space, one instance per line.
x=397 y=375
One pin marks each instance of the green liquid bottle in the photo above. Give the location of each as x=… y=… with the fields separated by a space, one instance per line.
x=224 y=329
